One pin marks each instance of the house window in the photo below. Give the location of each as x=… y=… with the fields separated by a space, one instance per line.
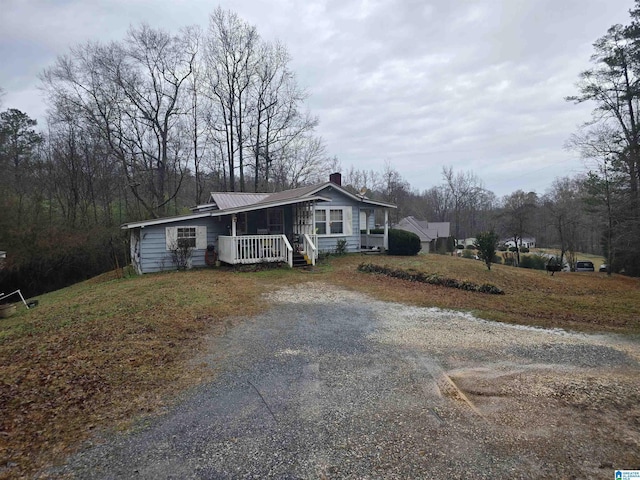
x=333 y=221
x=336 y=221
x=187 y=237
x=275 y=220
x=321 y=222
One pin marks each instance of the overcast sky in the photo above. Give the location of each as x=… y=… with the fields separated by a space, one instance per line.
x=476 y=85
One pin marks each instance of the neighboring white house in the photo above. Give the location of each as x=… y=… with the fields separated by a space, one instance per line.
x=528 y=242
x=467 y=242
x=427 y=231
x=243 y=228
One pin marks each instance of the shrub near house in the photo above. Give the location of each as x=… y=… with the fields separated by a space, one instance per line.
x=402 y=242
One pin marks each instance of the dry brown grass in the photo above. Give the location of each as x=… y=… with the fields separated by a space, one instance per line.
x=105 y=351
x=99 y=353
x=588 y=301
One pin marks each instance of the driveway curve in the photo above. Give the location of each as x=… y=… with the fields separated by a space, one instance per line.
x=331 y=383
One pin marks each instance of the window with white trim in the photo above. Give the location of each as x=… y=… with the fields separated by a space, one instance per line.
x=336 y=221
x=186 y=237
x=321 y=222
x=333 y=221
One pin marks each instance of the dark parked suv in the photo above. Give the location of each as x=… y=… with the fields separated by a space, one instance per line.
x=584 y=266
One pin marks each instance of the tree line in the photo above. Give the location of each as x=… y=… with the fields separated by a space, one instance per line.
x=563 y=217
x=143 y=127
x=148 y=125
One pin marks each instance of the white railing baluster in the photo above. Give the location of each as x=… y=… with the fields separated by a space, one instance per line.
x=310 y=248
x=254 y=249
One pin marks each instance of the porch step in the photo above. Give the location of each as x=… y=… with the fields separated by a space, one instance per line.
x=299 y=260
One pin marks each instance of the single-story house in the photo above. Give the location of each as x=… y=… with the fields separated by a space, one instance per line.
x=467 y=242
x=243 y=228
x=528 y=242
x=427 y=231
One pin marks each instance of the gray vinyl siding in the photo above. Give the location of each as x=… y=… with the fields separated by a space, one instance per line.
x=328 y=243
x=154 y=256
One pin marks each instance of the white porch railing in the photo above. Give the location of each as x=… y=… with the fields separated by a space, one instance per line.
x=255 y=249
x=310 y=247
x=372 y=240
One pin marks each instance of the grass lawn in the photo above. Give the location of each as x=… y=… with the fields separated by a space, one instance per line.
x=585 y=301
x=103 y=352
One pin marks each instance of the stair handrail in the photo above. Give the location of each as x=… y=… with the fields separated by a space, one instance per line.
x=310 y=248
x=289 y=250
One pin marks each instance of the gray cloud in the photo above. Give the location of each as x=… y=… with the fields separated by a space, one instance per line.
x=478 y=85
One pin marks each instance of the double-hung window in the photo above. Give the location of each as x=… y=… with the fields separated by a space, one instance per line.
x=194 y=237
x=336 y=221
x=333 y=221
x=187 y=237
x=321 y=222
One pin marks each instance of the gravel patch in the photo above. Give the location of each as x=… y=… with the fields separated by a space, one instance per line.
x=330 y=383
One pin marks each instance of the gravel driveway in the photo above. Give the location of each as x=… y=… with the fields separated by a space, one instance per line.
x=333 y=384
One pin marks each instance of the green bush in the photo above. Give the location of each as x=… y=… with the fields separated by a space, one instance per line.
x=535 y=262
x=496 y=259
x=459 y=247
x=467 y=254
x=432 y=279
x=470 y=247
x=513 y=249
x=524 y=250
x=341 y=246
x=502 y=248
x=402 y=242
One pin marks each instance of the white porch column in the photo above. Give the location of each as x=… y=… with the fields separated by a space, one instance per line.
x=234 y=220
x=386 y=229
x=367 y=213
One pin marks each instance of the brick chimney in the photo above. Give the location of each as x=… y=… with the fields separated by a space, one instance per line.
x=336 y=178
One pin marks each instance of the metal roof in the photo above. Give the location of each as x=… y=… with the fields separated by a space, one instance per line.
x=220 y=213
x=425 y=230
x=226 y=200
x=225 y=203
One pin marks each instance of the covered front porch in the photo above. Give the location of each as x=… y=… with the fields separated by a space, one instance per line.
x=249 y=249
x=373 y=242
x=276 y=234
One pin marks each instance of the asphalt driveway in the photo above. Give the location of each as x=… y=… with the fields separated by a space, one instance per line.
x=333 y=384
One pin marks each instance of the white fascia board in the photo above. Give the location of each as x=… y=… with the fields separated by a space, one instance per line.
x=160 y=221
x=265 y=205
x=351 y=195
x=220 y=213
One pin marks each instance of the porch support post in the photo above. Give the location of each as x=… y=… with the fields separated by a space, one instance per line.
x=234 y=220
x=367 y=214
x=386 y=229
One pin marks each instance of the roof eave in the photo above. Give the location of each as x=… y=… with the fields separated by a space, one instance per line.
x=220 y=213
x=351 y=195
x=159 y=221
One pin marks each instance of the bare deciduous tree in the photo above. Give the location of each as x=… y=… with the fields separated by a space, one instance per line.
x=231 y=63
x=131 y=91
x=517 y=213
